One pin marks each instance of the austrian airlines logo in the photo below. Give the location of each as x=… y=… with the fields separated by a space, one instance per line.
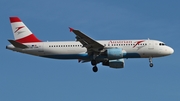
x=18 y=28
x=137 y=43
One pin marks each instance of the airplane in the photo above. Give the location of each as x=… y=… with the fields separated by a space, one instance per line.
x=85 y=49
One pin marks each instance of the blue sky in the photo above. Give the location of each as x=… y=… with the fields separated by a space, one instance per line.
x=29 y=78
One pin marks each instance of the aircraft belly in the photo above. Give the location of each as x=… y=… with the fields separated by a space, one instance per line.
x=65 y=53
x=68 y=56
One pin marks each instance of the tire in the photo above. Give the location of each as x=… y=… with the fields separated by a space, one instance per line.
x=151 y=64
x=95 y=69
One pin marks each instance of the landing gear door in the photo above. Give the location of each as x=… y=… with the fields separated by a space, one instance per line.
x=150 y=45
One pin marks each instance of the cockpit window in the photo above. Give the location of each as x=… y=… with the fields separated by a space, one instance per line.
x=162 y=44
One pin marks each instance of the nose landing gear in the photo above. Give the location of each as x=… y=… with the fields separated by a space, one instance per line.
x=151 y=64
x=150 y=61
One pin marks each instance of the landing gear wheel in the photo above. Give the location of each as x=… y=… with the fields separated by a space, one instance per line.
x=150 y=61
x=151 y=64
x=93 y=62
x=95 y=69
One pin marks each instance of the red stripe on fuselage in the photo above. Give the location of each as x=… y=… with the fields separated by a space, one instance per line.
x=14 y=19
x=28 y=39
x=137 y=43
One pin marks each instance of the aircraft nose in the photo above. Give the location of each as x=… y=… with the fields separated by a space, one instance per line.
x=171 y=51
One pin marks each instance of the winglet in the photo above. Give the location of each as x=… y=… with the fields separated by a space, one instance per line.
x=71 y=29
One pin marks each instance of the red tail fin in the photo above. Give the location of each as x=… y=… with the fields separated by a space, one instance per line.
x=21 y=33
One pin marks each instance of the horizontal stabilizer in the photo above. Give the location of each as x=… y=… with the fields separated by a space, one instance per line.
x=17 y=44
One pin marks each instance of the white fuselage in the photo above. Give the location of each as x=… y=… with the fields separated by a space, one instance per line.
x=75 y=50
x=108 y=52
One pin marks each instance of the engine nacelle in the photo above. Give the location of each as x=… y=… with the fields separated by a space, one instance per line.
x=114 y=63
x=114 y=53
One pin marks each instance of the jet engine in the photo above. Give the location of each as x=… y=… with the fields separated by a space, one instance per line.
x=114 y=53
x=114 y=63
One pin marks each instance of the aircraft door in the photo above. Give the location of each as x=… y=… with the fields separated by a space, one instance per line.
x=150 y=45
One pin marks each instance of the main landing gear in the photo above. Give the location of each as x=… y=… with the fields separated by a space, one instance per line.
x=150 y=61
x=95 y=69
x=94 y=63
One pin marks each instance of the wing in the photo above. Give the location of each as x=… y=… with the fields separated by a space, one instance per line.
x=91 y=45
